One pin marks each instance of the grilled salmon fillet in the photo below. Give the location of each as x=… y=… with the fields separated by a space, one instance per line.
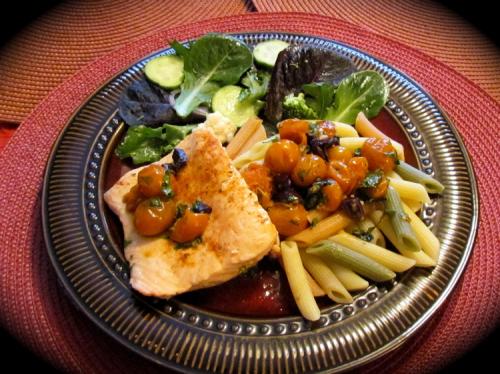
x=238 y=235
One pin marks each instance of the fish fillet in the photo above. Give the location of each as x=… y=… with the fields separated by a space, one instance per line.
x=238 y=235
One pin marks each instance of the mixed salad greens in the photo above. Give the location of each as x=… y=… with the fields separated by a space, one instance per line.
x=219 y=73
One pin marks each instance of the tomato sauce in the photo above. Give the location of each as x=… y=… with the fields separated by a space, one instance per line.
x=262 y=291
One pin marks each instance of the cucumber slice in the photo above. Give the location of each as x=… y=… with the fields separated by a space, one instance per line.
x=267 y=52
x=225 y=101
x=165 y=71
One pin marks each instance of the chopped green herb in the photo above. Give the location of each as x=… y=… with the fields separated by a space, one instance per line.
x=155 y=202
x=180 y=209
x=315 y=221
x=367 y=236
x=166 y=187
x=357 y=152
x=372 y=179
x=190 y=244
x=393 y=155
x=126 y=243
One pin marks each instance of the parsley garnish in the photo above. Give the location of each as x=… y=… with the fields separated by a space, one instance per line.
x=190 y=244
x=372 y=179
x=367 y=236
x=357 y=152
x=155 y=202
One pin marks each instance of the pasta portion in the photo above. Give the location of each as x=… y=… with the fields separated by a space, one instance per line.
x=344 y=202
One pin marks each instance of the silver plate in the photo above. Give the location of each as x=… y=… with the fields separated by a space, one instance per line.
x=178 y=335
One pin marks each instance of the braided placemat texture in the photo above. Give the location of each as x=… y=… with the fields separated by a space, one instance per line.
x=74 y=33
x=425 y=24
x=36 y=310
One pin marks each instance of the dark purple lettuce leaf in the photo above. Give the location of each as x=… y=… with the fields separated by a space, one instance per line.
x=144 y=103
x=299 y=65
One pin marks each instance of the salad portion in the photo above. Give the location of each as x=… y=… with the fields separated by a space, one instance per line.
x=269 y=151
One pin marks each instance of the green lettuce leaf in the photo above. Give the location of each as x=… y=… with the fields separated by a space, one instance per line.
x=145 y=144
x=210 y=62
x=364 y=91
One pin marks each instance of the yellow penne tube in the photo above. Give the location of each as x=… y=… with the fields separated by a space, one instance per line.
x=428 y=241
x=258 y=136
x=322 y=230
x=387 y=258
x=392 y=174
x=297 y=280
x=420 y=257
x=325 y=278
x=350 y=280
x=353 y=143
x=343 y=130
x=414 y=205
x=315 y=288
x=410 y=190
x=365 y=128
x=242 y=136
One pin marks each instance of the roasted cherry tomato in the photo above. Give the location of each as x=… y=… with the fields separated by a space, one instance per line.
x=133 y=198
x=259 y=180
x=282 y=156
x=309 y=168
x=333 y=195
x=380 y=154
x=326 y=128
x=189 y=227
x=341 y=173
x=295 y=130
x=154 y=215
x=289 y=219
x=339 y=153
x=359 y=169
x=379 y=191
x=150 y=180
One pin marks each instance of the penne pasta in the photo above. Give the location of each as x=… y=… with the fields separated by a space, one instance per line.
x=399 y=220
x=420 y=257
x=297 y=280
x=350 y=280
x=258 y=136
x=343 y=130
x=242 y=136
x=256 y=153
x=414 y=205
x=415 y=175
x=409 y=190
x=332 y=252
x=325 y=278
x=428 y=241
x=316 y=290
x=389 y=259
x=354 y=143
x=322 y=230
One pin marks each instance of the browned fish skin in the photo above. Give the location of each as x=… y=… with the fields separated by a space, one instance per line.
x=239 y=232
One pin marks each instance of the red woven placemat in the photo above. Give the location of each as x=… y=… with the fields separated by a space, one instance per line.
x=36 y=310
x=74 y=33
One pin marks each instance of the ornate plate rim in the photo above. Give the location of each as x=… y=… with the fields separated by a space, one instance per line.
x=384 y=349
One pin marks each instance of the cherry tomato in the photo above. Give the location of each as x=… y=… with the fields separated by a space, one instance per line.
x=150 y=180
x=326 y=128
x=289 y=219
x=341 y=173
x=339 y=153
x=133 y=198
x=282 y=156
x=379 y=191
x=333 y=195
x=295 y=130
x=189 y=227
x=359 y=169
x=259 y=180
x=309 y=168
x=154 y=215
x=380 y=154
